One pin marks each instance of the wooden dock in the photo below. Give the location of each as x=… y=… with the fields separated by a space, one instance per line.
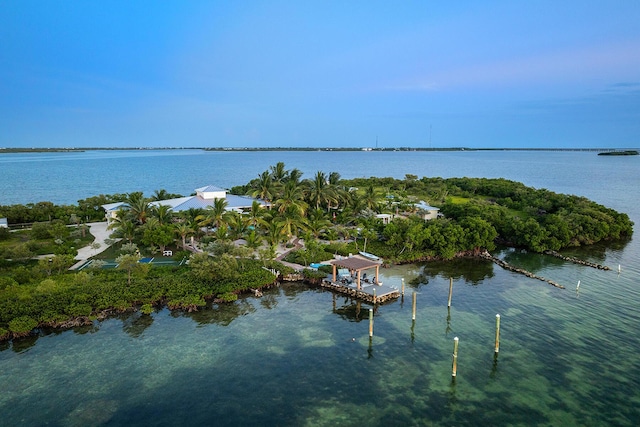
x=371 y=293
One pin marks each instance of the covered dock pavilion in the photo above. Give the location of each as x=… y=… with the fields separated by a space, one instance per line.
x=355 y=265
x=372 y=291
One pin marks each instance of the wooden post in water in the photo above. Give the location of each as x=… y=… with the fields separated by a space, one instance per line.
x=450 y=291
x=413 y=311
x=403 y=287
x=454 y=365
x=497 y=333
x=374 y=295
x=370 y=322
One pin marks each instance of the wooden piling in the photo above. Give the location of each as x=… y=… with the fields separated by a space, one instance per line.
x=374 y=295
x=497 y=333
x=413 y=311
x=450 y=291
x=454 y=365
x=403 y=287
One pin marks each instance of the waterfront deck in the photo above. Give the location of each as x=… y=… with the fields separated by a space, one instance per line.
x=368 y=292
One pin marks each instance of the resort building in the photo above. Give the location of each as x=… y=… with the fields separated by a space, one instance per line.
x=204 y=197
x=4 y=223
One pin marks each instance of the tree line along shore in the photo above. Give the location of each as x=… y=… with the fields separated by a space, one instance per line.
x=236 y=252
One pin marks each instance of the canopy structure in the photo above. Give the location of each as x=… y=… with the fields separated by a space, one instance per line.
x=357 y=265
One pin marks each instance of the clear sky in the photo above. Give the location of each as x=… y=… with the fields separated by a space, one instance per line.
x=558 y=73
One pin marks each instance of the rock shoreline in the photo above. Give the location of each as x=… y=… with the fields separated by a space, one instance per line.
x=486 y=255
x=577 y=261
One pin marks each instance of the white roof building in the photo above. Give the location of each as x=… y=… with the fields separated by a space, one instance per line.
x=205 y=196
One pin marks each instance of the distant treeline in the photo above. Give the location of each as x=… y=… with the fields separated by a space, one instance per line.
x=361 y=148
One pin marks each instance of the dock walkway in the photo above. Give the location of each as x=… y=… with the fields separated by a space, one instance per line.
x=368 y=292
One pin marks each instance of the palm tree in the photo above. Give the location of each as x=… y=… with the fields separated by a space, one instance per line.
x=370 y=198
x=334 y=178
x=264 y=187
x=214 y=214
x=278 y=172
x=254 y=240
x=291 y=198
x=274 y=232
x=160 y=195
x=237 y=224
x=138 y=207
x=290 y=221
x=367 y=230
x=162 y=213
x=123 y=227
x=256 y=214
x=317 y=222
x=319 y=192
x=183 y=230
x=295 y=175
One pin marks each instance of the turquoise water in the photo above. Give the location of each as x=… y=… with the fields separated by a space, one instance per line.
x=301 y=356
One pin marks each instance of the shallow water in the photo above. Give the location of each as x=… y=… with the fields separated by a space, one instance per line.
x=295 y=358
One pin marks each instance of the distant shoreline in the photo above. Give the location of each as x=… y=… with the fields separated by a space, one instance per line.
x=12 y=150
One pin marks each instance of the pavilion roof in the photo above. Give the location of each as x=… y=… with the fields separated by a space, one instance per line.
x=355 y=263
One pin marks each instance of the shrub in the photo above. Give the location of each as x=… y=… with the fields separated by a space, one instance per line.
x=146 y=309
x=22 y=326
x=313 y=274
x=228 y=297
x=41 y=230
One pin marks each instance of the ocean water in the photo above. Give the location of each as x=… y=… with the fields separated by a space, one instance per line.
x=301 y=356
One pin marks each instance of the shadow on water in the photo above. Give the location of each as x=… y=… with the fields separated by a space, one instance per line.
x=470 y=270
x=219 y=314
x=353 y=311
x=24 y=344
x=529 y=261
x=136 y=323
x=599 y=251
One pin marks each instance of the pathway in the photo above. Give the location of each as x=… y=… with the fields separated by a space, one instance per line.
x=101 y=233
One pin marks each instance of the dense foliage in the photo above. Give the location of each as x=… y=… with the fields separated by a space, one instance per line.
x=535 y=219
x=54 y=300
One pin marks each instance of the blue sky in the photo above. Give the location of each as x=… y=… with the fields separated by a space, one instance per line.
x=320 y=73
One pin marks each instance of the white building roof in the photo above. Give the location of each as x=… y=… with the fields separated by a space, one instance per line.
x=179 y=204
x=426 y=207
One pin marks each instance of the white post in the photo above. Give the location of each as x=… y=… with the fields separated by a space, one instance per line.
x=497 y=333
x=454 y=365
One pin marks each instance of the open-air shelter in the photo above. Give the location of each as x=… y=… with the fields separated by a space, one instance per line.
x=357 y=265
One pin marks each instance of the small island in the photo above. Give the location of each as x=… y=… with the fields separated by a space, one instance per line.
x=185 y=253
x=619 y=153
